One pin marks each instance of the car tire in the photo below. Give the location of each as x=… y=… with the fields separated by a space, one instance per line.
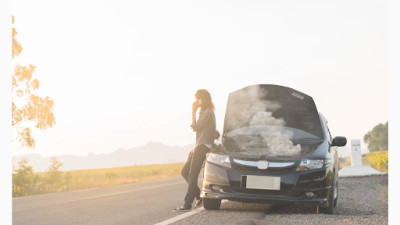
x=337 y=193
x=211 y=204
x=331 y=199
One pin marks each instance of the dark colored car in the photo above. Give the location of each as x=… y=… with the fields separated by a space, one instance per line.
x=275 y=148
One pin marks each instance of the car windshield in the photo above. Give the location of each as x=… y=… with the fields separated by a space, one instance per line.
x=269 y=141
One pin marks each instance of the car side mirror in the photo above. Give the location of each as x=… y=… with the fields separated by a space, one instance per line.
x=339 y=141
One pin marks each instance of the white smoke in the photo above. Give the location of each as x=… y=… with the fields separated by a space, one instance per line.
x=265 y=118
x=281 y=146
x=249 y=108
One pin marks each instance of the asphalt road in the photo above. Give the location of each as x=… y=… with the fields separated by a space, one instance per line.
x=139 y=203
x=362 y=201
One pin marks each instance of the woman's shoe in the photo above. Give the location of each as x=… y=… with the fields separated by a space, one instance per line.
x=198 y=203
x=183 y=208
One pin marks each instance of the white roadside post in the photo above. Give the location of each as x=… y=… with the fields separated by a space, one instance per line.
x=357 y=169
x=356 y=153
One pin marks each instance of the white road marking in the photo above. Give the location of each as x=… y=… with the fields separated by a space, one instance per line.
x=99 y=188
x=183 y=216
x=98 y=196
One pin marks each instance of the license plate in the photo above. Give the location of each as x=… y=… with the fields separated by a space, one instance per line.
x=261 y=182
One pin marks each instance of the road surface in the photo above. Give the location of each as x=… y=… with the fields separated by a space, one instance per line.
x=139 y=203
x=362 y=200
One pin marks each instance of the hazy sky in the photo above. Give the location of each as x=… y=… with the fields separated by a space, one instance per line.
x=123 y=73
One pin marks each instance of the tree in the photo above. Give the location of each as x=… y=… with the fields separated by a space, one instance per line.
x=377 y=138
x=54 y=174
x=27 y=108
x=24 y=179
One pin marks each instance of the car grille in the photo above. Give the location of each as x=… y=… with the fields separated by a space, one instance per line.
x=268 y=170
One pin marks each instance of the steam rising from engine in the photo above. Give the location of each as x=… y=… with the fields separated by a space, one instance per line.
x=249 y=112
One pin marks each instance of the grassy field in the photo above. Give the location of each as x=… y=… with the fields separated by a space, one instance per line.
x=47 y=182
x=26 y=182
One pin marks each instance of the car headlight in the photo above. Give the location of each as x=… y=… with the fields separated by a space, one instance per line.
x=222 y=160
x=307 y=164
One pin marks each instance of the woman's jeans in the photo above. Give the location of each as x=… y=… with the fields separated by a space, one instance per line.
x=191 y=170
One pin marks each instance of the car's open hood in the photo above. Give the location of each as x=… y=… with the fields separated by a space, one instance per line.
x=267 y=104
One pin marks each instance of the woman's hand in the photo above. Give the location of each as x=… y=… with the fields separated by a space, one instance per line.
x=195 y=106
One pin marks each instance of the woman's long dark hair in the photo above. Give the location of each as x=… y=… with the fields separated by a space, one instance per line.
x=205 y=97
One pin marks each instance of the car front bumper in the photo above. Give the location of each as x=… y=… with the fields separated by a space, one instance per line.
x=259 y=198
x=224 y=183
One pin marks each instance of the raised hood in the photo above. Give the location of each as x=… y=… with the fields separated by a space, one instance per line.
x=271 y=121
x=267 y=104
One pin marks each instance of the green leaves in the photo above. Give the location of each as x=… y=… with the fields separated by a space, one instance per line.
x=24 y=179
x=377 y=138
x=26 y=182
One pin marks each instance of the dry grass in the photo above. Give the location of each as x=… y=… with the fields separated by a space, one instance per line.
x=82 y=179
x=121 y=175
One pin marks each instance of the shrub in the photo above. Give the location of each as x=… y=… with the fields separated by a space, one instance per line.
x=380 y=161
x=23 y=179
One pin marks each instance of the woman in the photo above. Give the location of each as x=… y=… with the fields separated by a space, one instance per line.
x=205 y=128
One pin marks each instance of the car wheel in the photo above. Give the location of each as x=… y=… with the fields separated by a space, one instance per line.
x=331 y=199
x=211 y=204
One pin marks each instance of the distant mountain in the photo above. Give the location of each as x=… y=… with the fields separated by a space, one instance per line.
x=151 y=153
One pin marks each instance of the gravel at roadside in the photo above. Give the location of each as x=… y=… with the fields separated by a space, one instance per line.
x=362 y=200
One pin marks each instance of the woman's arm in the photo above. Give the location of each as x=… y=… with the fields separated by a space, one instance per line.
x=204 y=118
